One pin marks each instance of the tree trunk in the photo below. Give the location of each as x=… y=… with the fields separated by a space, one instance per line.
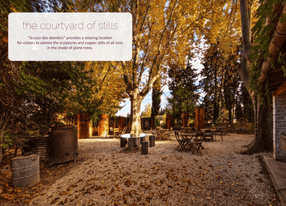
x=262 y=112
x=136 y=100
x=263 y=119
x=229 y=116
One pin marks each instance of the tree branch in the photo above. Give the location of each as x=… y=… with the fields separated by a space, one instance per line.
x=246 y=30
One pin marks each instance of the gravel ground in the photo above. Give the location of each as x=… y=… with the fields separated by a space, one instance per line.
x=111 y=176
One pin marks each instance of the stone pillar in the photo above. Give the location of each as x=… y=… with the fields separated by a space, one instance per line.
x=279 y=126
x=103 y=125
x=83 y=125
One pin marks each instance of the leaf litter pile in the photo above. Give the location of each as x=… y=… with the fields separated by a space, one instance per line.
x=105 y=174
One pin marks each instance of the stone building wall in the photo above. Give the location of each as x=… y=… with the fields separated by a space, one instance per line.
x=279 y=125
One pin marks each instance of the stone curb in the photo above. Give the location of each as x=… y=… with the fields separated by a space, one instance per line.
x=275 y=180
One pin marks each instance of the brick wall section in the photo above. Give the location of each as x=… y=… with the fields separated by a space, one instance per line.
x=279 y=125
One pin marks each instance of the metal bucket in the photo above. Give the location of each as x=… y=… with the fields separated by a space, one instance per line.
x=63 y=145
x=25 y=170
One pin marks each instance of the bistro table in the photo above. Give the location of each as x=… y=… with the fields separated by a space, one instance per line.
x=136 y=141
x=208 y=132
x=203 y=130
x=187 y=138
x=219 y=131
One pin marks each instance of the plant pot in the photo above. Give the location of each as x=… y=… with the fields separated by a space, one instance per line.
x=63 y=145
x=25 y=170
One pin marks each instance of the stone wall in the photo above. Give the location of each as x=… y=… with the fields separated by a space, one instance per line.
x=279 y=125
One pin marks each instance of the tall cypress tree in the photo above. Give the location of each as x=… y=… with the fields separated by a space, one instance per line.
x=183 y=89
x=156 y=97
x=211 y=81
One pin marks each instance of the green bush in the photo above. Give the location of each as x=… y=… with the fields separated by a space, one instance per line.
x=157 y=122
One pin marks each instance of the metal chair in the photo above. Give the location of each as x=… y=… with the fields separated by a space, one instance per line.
x=198 y=141
x=181 y=141
x=116 y=133
x=208 y=133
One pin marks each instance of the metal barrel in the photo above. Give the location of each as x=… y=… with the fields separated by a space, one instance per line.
x=42 y=147
x=25 y=170
x=63 y=145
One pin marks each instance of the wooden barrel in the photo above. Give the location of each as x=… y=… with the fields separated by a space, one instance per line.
x=25 y=170
x=63 y=145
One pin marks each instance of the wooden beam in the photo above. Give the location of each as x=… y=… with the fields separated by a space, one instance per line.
x=275 y=75
x=280 y=89
x=276 y=81
x=276 y=43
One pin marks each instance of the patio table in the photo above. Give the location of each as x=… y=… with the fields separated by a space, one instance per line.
x=219 y=131
x=187 y=138
x=125 y=138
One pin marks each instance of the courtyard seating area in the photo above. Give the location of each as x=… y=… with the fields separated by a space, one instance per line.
x=108 y=175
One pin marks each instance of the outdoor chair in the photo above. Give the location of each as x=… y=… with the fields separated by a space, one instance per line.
x=111 y=131
x=159 y=135
x=183 y=130
x=208 y=135
x=116 y=133
x=196 y=130
x=168 y=135
x=124 y=130
x=218 y=132
x=181 y=141
x=198 y=141
x=227 y=129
